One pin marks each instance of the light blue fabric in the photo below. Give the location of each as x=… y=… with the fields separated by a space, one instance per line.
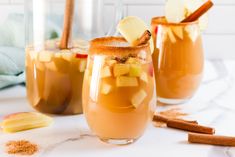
x=12 y=42
x=7 y=80
x=12 y=50
x=11 y=66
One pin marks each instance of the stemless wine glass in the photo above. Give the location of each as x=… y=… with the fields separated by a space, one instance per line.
x=177 y=59
x=118 y=89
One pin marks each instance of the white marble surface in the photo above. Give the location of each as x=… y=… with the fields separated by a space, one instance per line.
x=214 y=105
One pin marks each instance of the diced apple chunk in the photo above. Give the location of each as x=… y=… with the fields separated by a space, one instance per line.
x=125 y=81
x=178 y=31
x=67 y=56
x=135 y=70
x=132 y=60
x=45 y=56
x=171 y=35
x=121 y=69
x=106 y=88
x=82 y=65
x=40 y=66
x=111 y=62
x=51 y=66
x=138 y=98
x=58 y=55
x=106 y=72
x=33 y=55
x=144 y=77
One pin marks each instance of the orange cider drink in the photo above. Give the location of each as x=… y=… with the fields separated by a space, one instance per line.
x=54 y=78
x=177 y=59
x=118 y=89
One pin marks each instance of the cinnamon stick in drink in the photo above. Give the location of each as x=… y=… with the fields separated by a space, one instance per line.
x=143 y=39
x=199 y=12
x=68 y=20
x=177 y=124
x=211 y=139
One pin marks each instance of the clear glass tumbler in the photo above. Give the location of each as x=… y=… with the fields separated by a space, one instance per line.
x=118 y=90
x=178 y=60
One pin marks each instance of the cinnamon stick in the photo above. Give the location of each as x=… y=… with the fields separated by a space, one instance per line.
x=190 y=127
x=143 y=39
x=211 y=139
x=68 y=20
x=199 y=12
x=161 y=118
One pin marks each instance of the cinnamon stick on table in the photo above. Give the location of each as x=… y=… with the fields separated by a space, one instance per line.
x=199 y=12
x=161 y=118
x=190 y=127
x=211 y=139
x=68 y=20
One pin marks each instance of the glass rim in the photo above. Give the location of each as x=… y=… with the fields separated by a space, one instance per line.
x=156 y=20
x=101 y=46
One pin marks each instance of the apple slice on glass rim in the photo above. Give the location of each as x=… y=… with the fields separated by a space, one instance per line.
x=132 y=28
x=177 y=10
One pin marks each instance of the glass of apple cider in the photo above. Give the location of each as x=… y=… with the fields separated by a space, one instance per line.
x=54 y=77
x=118 y=90
x=177 y=59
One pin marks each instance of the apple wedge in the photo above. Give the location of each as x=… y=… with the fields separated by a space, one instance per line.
x=191 y=6
x=125 y=81
x=24 y=121
x=132 y=28
x=175 y=10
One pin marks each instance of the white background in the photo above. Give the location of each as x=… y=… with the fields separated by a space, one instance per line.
x=219 y=38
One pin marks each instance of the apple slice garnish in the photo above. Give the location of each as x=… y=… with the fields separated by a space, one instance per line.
x=178 y=10
x=193 y=5
x=132 y=28
x=175 y=10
